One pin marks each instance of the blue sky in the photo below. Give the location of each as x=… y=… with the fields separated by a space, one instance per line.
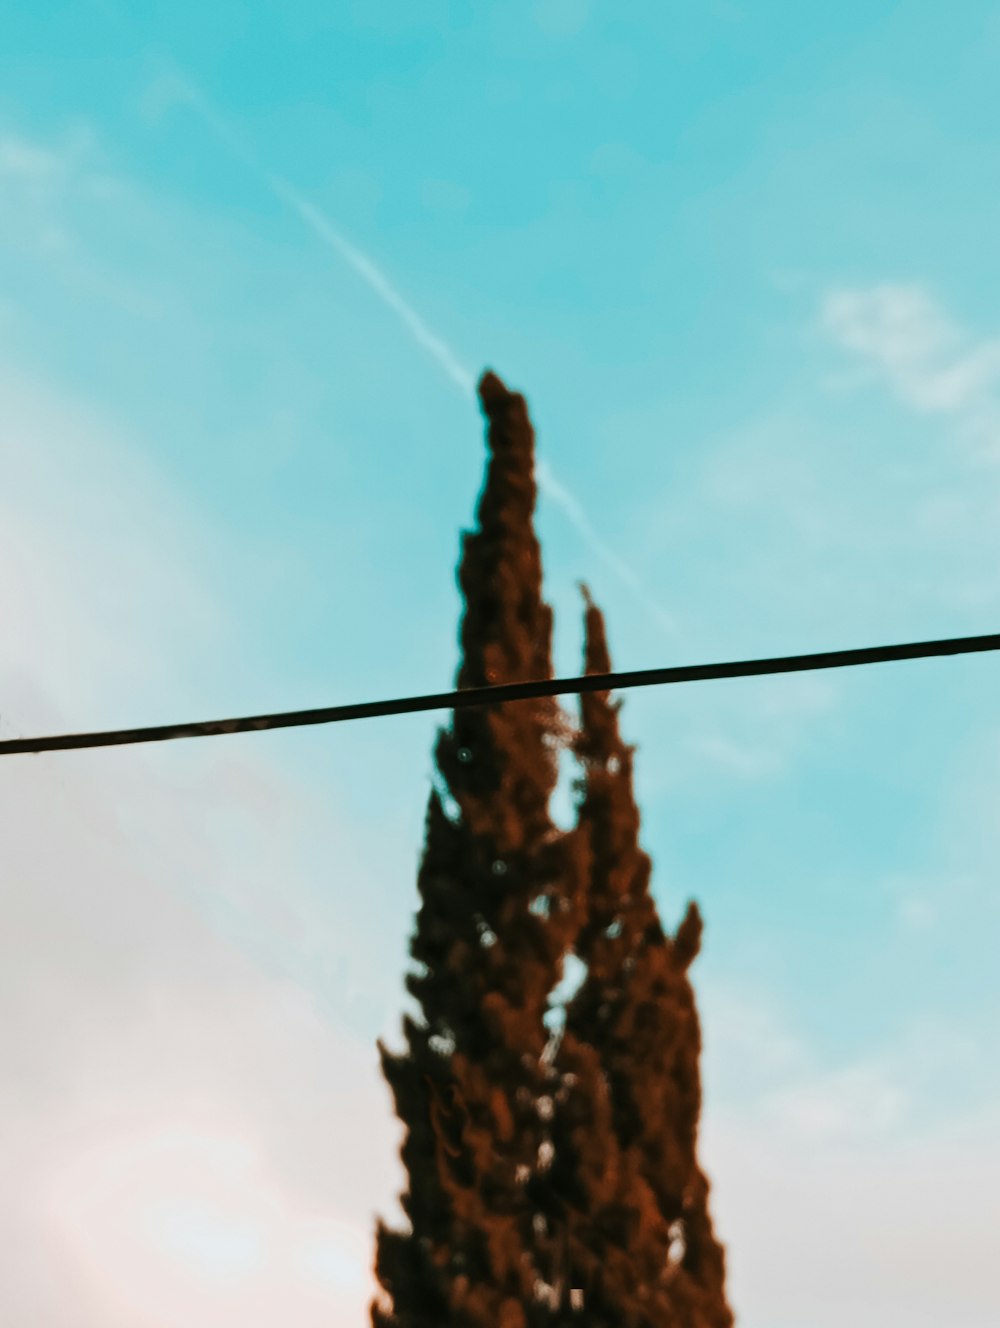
x=741 y=259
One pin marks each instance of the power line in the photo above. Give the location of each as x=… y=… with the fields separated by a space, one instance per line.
x=512 y=691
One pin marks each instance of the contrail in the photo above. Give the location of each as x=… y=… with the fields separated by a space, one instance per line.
x=383 y=287
x=176 y=88
x=573 y=509
x=323 y=228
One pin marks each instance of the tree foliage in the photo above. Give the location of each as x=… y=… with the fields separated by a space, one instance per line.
x=635 y=1008
x=551 y=1176
x=499 y=892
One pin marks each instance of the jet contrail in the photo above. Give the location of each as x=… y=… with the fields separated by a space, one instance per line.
x=573 y=509
x=182 y=90
x=179 y=89
x=322 y=227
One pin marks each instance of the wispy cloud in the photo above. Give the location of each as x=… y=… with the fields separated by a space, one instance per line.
x=931 y=363
x=858 y=1219
x=172 y=88
x=24 y=160
x=170 y=1104
x=817 y=1171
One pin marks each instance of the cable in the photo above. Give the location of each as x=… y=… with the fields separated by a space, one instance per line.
x=512 y=691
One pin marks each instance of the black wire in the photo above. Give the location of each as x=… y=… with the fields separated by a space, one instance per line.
x=512 y=691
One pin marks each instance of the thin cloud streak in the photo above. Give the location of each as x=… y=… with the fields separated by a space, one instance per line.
x=179 y=89
x=573 y=509
x=324 y=229
x=933 y=365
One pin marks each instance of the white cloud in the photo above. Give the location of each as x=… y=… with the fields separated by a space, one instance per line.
x=55 y=192
x=90 y=570
x=751 y=1044
x=868 y=1234
x=732 y=736
x=183 y=1134
x=37 y=171
x=931 y=363
x=856 y=1100
x=22 y=159
x=187 y=1134
x=839 y=1197
x=35 y=179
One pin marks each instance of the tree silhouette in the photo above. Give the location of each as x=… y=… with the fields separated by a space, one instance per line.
x=500 y=890
x=635 y=1009
x=552 y=1176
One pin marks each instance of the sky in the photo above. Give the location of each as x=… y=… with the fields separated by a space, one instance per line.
x=741 y=258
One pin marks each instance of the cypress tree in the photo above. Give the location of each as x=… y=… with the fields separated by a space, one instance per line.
x=635 y=1012
x=499 y=889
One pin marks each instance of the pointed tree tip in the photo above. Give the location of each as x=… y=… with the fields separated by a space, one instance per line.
x=502 y=407
x=492 y=389
x=687 y=938
x=596 y=656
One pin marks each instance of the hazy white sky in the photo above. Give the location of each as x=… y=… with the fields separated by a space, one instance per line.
x=741 y=259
